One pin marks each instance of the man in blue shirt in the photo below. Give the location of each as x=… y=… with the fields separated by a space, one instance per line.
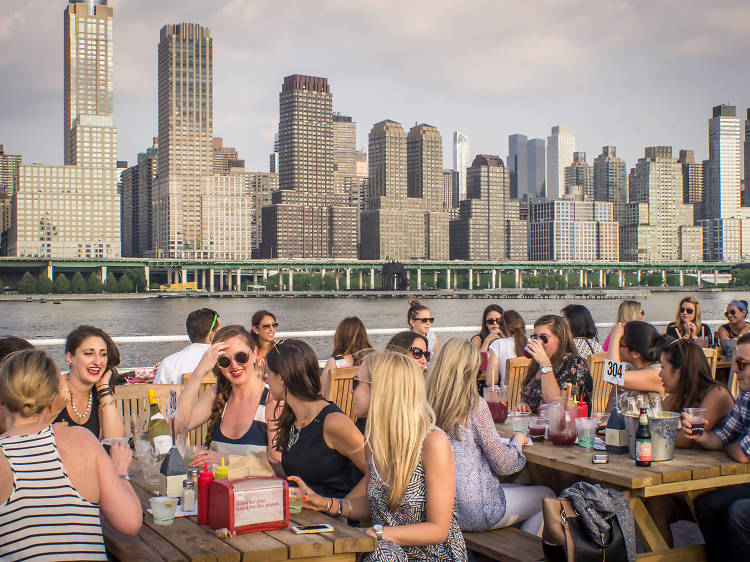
x=724 y=514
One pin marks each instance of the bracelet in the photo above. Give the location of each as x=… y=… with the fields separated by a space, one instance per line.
x=106 y=403
x=351 y=509
x=341 y=508
x=124 y=476
x=330 y=503
x=103 y=391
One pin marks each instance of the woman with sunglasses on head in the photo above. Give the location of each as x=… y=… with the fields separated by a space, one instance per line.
x=583 y=330
x=321 y=448
x=411 y=344
x=480 y=455
x=264 y=327
x=411 y=474
x=627 y=312
x=92 y=356
x=688 y=383
x=636 y=343
x=736 y=314
x=490 y=328
x=239 y=408
x=510 y=345
x=349 y=340
x=556 y=363
x=421 y=320
x=688 y=324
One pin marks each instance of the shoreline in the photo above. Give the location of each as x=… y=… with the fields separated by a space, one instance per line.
x=523 y=293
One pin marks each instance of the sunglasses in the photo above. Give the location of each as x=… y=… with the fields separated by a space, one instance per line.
x=543 y=337
x=741 y=363
x=684 y=310
x=241 y=358
x=493 y=321
x=731 y=312
x=417 y=353
x=272 y=325
x=425 y=320
x=357 y=380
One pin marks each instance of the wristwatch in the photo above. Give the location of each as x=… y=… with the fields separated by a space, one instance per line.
x=545 y=369
x=378 y=530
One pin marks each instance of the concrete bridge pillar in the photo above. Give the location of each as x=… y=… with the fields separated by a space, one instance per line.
x=265 y=274
x=639 y=276
x=479 y=280
x=360 y=279
x=255 y=276
x=337 y=279
x=682 y=278
x=716 y=277
x=372 y=278
x=348 y=279
x=239 y=279
x=447 y=278
x=146 y=275
x=518 y=278
x=211 y=280
x=620 y=280
x=471 y=279
x=580 y=278
x=434 y=279
x=50 y=271
x=602 y=279
x=419 y=279
x=322 y=272
x=221 y=280
x=494 y=278
x=183 y=275
x=291 y=279
x=103 y=273
x=698 y=277
x=663 y=276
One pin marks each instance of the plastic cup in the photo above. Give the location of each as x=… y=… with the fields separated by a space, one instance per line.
x=537 y=428
x=586 y=428
x=519 y=421
x=295 y=504
x=696 y=417
x=497 y=401
x=163 y=509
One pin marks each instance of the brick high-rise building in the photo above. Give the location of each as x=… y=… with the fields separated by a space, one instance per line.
x=579 y=177
x=136 y=195
x=222 y=156
x=10 y=165
x=692 y=182
x=488 y=225
x=611 y=181
x=308 y=217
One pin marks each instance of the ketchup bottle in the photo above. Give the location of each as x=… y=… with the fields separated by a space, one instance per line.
x=205 y=477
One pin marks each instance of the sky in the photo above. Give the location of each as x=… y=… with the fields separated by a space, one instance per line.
x=629 y=73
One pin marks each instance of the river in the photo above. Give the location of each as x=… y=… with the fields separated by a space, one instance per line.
x=166 y=316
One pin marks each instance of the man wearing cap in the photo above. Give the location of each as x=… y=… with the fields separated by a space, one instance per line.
x=202 y=325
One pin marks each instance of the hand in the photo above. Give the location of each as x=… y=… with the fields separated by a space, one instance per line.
x=209 y=358
x=536 y=350
x=370 y=532
x=104 y=379
x=687 y=428
x=211 y=457
x=523 y=407
x=617 y=331
x=520 y=438
x=691 y=331
x=492 y=336
x=310 y=499
x=736 y=453
x=121 y=456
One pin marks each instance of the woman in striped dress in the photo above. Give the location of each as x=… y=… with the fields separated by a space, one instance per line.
x=55 y=481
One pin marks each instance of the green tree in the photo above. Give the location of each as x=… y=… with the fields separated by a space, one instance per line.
x=138 y=277
x=111 y=285
x=45 y=284
x=126 y=284
x=28 y=285
x=78 y=284
x=94 y=284
x=61 y=285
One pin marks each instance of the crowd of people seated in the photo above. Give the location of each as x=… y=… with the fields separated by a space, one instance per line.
x=423 y=460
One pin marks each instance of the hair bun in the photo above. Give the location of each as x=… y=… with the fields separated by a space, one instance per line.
x=28 y=408
x=414 y=302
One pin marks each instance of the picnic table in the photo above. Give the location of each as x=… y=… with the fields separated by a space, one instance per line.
x=691 y=472
x=186 y=540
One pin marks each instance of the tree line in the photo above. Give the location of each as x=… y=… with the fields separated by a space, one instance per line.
x=130 y=281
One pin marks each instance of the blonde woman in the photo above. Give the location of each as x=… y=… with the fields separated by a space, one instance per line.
x=55 y=480
x=687 y=322
x=626 y=312
x=482 y=501
x=411 y=490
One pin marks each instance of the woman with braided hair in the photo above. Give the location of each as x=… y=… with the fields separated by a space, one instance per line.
x=238 y=408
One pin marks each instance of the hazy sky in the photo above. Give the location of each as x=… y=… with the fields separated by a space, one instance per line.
x=630 y=73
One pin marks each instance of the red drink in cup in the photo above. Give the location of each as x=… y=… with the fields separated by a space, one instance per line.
x=696 y=417
x=497 y=401
x=499 y=411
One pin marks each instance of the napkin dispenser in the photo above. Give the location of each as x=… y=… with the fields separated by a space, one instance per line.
x=249 y=505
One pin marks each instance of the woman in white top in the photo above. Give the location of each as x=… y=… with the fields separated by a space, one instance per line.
x=509 y=346
x=348 y=341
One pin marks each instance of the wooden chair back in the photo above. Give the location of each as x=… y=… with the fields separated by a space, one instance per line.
x=132 y=401
x=602 y=389
x=339 y=389
x=198 y=435
x=516 y=370
x=713 y=358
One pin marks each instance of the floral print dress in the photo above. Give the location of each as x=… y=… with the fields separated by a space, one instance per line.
x=572 y=369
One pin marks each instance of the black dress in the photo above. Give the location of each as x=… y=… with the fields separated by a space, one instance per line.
x=92 y=424
x=325 y=470
x=704 y=332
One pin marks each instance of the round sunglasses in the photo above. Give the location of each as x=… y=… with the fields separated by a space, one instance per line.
x=418 y=353
x=241 y=358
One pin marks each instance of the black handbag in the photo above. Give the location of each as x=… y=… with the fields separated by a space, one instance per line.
x=565 y=539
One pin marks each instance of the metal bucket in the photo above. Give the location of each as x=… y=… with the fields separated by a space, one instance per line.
x=663 y=433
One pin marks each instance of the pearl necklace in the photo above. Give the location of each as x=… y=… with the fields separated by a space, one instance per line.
x=73 y=403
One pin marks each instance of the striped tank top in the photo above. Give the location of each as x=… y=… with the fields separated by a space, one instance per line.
x=45 y=517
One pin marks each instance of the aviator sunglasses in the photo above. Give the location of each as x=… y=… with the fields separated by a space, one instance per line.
x=241 y=358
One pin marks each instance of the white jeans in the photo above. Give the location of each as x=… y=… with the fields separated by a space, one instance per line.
x=523 y=504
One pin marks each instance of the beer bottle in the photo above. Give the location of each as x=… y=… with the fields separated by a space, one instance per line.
x=643 y=440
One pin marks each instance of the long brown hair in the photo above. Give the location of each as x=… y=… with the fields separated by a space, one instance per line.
x=297 y=365
x=223 y=386
x=350 y=337
x=513 y=326
x=483 y=329
x=678 y=320
x=560 y=329
x=75 y=338
x=695 y=379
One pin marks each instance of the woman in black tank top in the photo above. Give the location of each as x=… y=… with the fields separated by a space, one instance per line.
x=320 y=447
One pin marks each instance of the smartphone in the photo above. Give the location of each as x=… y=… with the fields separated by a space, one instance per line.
x=600 y=458
x=307 y=529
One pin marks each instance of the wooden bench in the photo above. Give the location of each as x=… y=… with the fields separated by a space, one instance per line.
x=507 y=545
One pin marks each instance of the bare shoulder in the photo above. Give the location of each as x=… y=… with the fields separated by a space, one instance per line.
x=75 y=437
x=338 y=423
x=436 y=444
x=719 y=400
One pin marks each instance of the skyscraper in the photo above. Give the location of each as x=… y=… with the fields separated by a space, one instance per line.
x=536 y=159
x=745 y=198
x=579 y=177
x=518 y=166
x=610 y=181
x=692 y=182
x=74 y=210
x=136 y=195
x=306 y=201
x=344 y=145
x=10 y=165
x=461 y=161
x=560 y=147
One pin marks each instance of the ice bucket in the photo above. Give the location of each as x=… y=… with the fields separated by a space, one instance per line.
x=663 y=433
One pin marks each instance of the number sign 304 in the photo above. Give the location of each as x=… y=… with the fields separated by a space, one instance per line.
x=614 y=372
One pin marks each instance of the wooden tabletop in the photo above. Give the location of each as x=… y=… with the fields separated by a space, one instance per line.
x=186 y=540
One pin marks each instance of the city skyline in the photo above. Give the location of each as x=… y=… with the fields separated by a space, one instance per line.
x=640 y=65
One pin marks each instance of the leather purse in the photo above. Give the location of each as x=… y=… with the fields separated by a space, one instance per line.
x=565 y=538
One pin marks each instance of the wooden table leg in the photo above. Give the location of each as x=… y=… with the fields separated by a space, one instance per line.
x=646 y=528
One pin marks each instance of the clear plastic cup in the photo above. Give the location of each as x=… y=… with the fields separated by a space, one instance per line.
x=585 y=427
x=696 y=417
x=163 y=509
x=519 y=421
x=497 y=401
x=537 y=428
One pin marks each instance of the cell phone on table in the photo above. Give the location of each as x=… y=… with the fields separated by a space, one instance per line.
x=600 y=458
x=307 y=529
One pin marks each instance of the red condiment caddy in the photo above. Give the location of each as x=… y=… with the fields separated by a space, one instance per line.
x=249 y=505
